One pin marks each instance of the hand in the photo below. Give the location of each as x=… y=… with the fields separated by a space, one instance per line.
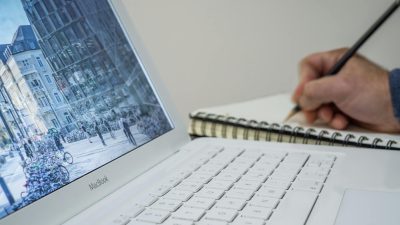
x=358 y=94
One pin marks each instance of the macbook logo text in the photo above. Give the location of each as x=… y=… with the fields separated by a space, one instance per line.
x=98 y=183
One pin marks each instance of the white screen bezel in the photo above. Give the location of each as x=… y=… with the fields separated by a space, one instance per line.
x=63 y=204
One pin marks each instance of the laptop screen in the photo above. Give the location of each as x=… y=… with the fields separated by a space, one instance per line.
x=73 y=96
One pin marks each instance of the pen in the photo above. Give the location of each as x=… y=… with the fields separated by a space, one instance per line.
x=351 y=51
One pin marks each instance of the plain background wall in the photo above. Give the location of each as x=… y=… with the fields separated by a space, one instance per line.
x=212 y=52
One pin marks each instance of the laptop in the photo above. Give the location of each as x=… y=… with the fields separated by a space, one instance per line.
x=90 y=136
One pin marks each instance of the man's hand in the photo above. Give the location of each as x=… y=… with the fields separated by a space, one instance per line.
x=358 y=94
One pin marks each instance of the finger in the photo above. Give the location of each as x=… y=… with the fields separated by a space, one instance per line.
x=325 y=113
x=339 y=121
x=313 y=67
x=310 y=116
x=322 y=91
x=308 y=72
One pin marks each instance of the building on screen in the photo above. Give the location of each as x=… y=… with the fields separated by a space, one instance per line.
x=94 y=66
x=29 y=89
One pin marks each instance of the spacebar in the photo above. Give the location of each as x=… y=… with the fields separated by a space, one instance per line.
x=294 y=208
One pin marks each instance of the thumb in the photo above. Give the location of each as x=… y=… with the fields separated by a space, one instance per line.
x=322 y=91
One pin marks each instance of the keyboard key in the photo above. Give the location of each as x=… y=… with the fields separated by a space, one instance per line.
x=248 y=185
x=232 y=151
x=160 y=190
x=202 y=203
x=244 y=162
x=256 y=212
x=211 y=222
x=267 y=170
x=188 y=213
x=120 y=221
x=263 y=201
x=297 y=158
x=209 y=170
x=239 y=194
x=277 y=183
x=147 y=200
x=307 y=185
x=193 y=166
x=315 y=170
x=203 y=158
x=281 y=175
x=236 y=169
x=182 y=174
x=218 y=164
x=321 y=161
x=200 y=177
x=153 y=216
x=180 y=195
x=220 y=184
x=267 y=163
x=221 y=162
x=252 y=175
x=212 y=150
x=313 y=176
x=228 y=176
x=294 y=208
x=172 y=221
x=271 y=192
x=288 y=168
x=226 y=215
x=131 y=212
x=189 y=186
x=274 y=155
x=225 y=157
x=166 y=204
x=231 y=203
x=135 y=222
x=176 y=178
x=247 y=221
x=210 y=193
x=252 y=154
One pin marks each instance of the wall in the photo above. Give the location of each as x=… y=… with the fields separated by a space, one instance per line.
x=211 y=52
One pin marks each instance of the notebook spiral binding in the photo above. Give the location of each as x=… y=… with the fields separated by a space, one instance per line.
x=278 y=132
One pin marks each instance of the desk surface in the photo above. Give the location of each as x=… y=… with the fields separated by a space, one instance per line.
x=212 y=52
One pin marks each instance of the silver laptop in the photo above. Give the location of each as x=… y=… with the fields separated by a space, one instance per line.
x=89 y=136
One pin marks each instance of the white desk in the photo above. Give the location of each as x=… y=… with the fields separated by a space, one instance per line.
x=211 y=52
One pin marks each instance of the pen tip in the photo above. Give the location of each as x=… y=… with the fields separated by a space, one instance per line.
x=290 y=115
x=295 y=110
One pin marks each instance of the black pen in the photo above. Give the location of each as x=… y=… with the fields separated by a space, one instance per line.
x=343 y=60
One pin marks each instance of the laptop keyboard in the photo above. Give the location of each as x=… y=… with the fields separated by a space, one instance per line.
x=235 y=186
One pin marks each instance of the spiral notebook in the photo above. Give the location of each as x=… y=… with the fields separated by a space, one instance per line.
x=262 y=119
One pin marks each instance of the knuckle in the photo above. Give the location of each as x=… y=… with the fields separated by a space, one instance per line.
x=308 y=98
x=309 y=91
x=343 y=84
x=302 y=64
x=306 y=104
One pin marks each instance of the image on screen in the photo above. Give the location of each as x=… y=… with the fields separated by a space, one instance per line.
x=73 y=96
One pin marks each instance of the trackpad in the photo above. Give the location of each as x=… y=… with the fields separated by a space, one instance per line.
x=369 y=208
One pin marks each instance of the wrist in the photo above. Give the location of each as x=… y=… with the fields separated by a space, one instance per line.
x=394 y=85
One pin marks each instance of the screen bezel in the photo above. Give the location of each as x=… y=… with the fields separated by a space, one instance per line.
x=68 y=201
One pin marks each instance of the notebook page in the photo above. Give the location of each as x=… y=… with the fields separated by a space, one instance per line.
x=272 y=109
